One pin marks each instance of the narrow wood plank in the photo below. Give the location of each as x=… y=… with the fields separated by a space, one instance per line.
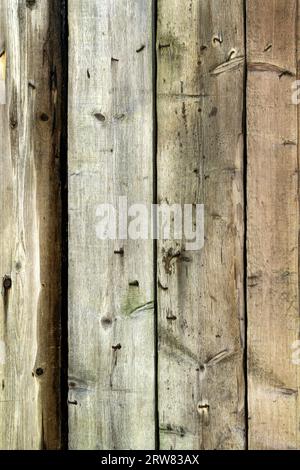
x=273 y=225
x=111 y=330
x=200 y=49
x=29 y=226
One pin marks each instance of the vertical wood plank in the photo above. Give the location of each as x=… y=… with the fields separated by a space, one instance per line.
x=29 y=226
x=111 y=325
x=273 y=225
x=200 y=49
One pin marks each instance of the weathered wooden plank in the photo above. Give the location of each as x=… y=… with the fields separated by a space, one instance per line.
x=29 y=226
x=273 y=225
x=111 y=330
x=200 y=49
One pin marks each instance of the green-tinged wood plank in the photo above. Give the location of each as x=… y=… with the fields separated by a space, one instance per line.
x=200 y=48
x=111 y=318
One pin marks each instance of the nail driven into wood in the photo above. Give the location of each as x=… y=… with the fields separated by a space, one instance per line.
x=268 y=47
x=161 y=286
x=119 y=252
x=39 y=371
x=140 y=49
x=203 y=407
x=203 y=410
x=73 y=402
x=284 y=73
x=171 y=317
x=231 y=54
x=134 y=283
x=218 y=39
x=117 y=347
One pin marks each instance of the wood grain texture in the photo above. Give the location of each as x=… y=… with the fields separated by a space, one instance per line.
x=29 y=226
x=111 y=323
x=200 y=47
x=273 y=225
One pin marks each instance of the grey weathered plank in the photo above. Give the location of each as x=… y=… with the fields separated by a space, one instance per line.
x=111 y=330
x=200 y=47
x=29 y=226
x=273 y=225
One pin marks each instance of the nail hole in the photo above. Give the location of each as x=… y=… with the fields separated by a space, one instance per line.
x=13 y=123
x=44 y=117
x=18 y=265
x=30 y=3
x=100 y=117
x=106 y=322
x=7 y=282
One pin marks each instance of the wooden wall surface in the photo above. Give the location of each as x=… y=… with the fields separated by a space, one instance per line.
x=167 y=101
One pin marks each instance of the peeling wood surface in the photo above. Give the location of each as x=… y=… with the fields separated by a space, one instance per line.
x=29 y=226
x=200 y=47
x=273 y=225
x=111 y=320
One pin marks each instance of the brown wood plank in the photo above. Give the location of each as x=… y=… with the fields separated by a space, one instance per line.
x=273 y=225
